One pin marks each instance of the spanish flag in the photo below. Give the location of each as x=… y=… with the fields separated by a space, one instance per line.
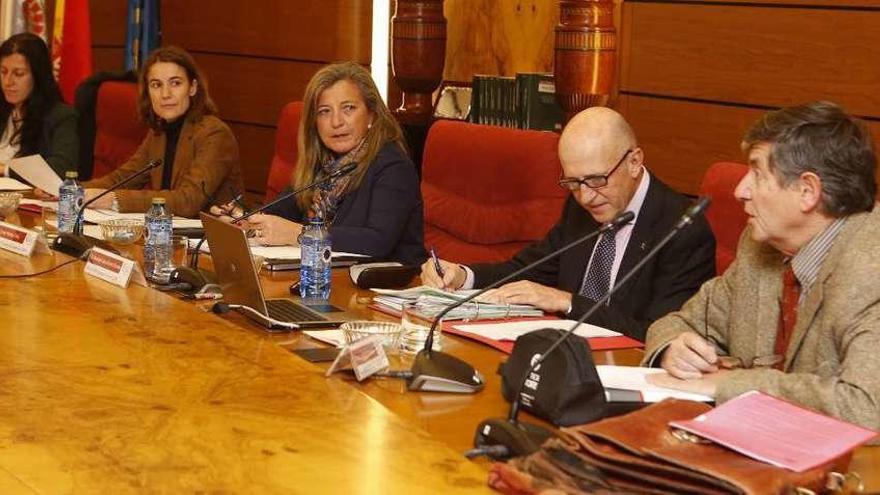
x=71 y=45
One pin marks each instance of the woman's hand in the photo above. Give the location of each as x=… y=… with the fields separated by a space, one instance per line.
x=271 y=230
x=104 y=203
x=43 y=195
x=226 y=213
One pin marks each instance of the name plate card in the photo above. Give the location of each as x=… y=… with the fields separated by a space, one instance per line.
x=21 y=241
x=113 y=268
x=365 y=356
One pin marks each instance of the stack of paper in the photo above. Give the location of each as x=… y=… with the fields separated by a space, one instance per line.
x=630 y=384
x=431 y=301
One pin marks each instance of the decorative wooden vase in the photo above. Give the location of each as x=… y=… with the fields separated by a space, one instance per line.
x=418 y=53
x=585 y=55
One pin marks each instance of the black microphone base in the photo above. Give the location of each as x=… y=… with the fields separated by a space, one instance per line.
x=435 y=371
x=76 y=245
x=517 y=438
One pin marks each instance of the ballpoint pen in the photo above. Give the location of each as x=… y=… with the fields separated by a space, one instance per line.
x=437 y=267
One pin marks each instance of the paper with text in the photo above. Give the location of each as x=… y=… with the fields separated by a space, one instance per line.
x=36 y=172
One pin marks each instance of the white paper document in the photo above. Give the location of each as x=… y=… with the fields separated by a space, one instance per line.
x=332 y=337
x=37 y=172
x=10 y=184
x=512 y=330
x=634 y=378
x=95 y=216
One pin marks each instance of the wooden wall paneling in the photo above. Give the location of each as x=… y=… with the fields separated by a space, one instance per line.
x=320 y=31
x=837 y=4
x=108 y=22
x=254 y=90
x=256 y=145
x=750 y=54
x=681 y=139
x=499 y=37
x=104 y=58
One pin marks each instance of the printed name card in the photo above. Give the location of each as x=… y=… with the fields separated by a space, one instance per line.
x=21 y=241
x=365 y=356
x=113 y=268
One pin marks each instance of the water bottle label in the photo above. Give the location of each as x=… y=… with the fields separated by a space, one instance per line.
x=327 y=254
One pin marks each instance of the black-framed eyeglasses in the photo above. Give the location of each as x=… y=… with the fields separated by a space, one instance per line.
x=591 y=181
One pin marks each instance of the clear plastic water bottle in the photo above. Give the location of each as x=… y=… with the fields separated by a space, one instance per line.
x=70 y=200
x=314 y=272
x=157 y=244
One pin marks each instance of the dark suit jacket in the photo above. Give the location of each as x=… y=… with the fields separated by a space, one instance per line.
x=661 y=286
x=59 y=143
x=383 y=217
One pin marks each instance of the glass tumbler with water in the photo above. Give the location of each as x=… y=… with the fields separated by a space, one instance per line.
x=416 y=326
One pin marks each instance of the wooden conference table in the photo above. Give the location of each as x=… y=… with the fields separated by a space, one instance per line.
x=104 y=389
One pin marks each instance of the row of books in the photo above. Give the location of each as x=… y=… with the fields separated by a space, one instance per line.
x=527 y=101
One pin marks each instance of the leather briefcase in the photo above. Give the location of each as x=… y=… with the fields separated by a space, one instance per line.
x=640 y=453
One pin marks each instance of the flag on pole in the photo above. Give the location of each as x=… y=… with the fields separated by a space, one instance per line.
x=19 y=16
x=71 y=45
x=143 y=34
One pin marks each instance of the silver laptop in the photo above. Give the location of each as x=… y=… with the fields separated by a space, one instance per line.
x=241 y=287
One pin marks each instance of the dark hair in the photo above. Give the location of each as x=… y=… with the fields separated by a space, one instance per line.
x=201 y=103
x=44 y=95
x=821 y=138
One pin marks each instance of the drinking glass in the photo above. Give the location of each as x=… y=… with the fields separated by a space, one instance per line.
x=415 y=329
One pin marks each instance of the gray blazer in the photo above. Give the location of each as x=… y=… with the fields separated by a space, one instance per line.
x=832 y=362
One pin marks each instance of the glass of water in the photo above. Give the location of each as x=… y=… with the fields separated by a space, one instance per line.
x=415 y=329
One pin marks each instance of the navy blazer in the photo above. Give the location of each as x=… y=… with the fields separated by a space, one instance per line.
x=383 y=217
x=660 y=287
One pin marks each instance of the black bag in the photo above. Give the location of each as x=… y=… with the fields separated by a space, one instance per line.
x=565 y=389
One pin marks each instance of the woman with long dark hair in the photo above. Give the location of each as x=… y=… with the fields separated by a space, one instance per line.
x=33 y=120
x=199 y=153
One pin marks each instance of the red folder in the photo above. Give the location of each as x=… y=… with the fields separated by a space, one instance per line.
x=506 y=346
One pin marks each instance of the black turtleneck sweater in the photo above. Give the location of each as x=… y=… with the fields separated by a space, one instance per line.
x=172 y=135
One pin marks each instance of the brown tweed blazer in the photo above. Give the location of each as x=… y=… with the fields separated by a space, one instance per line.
x=833 y=361
x=207 y=153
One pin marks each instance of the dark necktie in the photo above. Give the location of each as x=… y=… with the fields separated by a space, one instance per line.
x=791 y=291
x=598 y=276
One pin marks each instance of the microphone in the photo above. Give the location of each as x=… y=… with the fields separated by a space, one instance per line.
x=501 y=438
x=441 y=372
x=343 y=170
x=76 y=244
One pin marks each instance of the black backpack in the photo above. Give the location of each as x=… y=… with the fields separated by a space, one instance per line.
x=565 y=389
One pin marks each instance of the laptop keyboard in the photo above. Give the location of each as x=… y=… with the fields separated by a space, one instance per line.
x=289 y=311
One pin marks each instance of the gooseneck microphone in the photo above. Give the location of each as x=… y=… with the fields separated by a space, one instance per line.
x=76 y=244
x=342 y=171
x=441 y=372
x=501 y=438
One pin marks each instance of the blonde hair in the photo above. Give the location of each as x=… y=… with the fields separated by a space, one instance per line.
x=312 y=152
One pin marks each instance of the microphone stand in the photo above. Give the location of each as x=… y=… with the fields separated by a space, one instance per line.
x=501 y=438
x=345 y=170
x=76 y=244
x=441 y=372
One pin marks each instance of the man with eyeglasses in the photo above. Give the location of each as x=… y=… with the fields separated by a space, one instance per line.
x=797 y=315
x=602 y=167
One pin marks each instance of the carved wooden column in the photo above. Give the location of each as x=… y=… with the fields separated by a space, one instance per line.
x=418 y=53
x=585 y=57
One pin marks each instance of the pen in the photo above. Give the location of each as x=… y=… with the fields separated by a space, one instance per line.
x=437 y=267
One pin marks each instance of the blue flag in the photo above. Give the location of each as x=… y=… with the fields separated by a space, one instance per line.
x=143 y=34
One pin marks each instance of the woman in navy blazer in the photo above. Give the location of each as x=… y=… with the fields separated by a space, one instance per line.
x=375 y=210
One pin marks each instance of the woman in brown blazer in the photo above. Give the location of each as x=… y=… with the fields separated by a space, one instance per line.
x=199 y=153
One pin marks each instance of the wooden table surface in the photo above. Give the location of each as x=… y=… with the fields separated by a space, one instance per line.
x=128 y=390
